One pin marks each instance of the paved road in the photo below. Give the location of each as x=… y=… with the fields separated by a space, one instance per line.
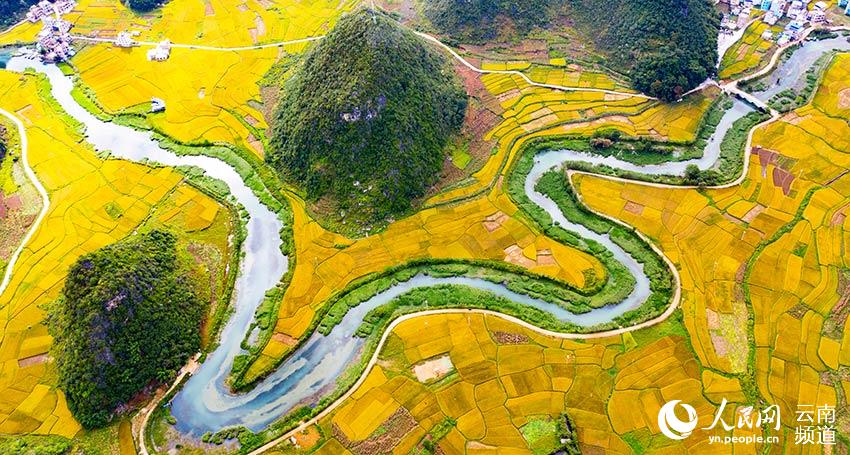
x=45 y=199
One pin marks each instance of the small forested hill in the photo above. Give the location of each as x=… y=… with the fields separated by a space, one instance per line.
x=12 y=11
x=144 y=6
x=363 y=121
x=485 y=19
x=128 y=316
x=667 y=46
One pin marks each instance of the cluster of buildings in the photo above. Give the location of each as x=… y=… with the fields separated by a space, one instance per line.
x=45 y=8
x=53 y=42
x=797 y=13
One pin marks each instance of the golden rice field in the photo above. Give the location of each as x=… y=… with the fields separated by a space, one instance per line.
x=201 y=106
x=25 y=33
x=749 y=53
x=19 y=201
x=530 y=112
x=485 y=228
x=503 y=377
x=93 y=203
x=775 y=247
x=218 y=104
x=219 y=23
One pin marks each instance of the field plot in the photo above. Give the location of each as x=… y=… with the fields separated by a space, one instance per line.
x=749 y=53
x=775 y=246
x=19 y=201
x=510 y=388
x=210 y=96
x=486 y=228
x=833 y=95
x=207 y=99
x=93 y=203
x=530 y=112
x=219 y=23
x=24 y=33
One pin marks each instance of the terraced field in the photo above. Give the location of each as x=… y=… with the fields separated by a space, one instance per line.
x=773 y=248
x=750 y=53
x=762 y=265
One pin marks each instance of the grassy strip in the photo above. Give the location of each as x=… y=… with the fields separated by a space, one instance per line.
x=728 y=167
x=35 y=444
x=456 y=296
x=789 y=99
x=748 y=382
x=161 y=416
x=643 y=151
x=219 y=191
x=553 y=185
x=428 y=444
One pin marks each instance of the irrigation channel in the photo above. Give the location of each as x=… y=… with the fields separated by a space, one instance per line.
x=205 y=402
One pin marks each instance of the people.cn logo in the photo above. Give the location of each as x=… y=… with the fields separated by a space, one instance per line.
x=671 y=426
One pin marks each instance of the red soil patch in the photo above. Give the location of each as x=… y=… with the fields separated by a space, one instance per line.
x=633 y=207
x=285 y=339
x=33 y=360
x=509 y=338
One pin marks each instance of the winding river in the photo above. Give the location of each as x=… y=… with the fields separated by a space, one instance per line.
x=791 y=73
x=205 y=402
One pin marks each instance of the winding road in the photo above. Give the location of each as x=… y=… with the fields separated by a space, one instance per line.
x=45 y=198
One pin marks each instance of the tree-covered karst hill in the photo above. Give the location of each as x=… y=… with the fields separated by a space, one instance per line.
x=478 y=20
x=128 y=316
x=667 y=46
x=363 y=121
x=12 y=11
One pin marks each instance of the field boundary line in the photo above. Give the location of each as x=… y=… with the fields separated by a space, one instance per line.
x=672 y=307
x=45 y=199
x=425 y=36
x=205 y=48
x=523 y=75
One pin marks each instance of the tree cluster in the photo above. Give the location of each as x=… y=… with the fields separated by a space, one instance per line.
x=3 y=147
x=128 y=317
x=478 y=20
x=12 y=11
x=667 y=46
x=144 y=6
x=364 y=118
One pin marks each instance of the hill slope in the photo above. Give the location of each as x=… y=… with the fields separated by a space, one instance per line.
x=12 y=11
x=667 y=46
x=485 y=19
x=129 y=316
x=363 y=121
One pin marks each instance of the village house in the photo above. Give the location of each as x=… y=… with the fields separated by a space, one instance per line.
x=161 y=52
